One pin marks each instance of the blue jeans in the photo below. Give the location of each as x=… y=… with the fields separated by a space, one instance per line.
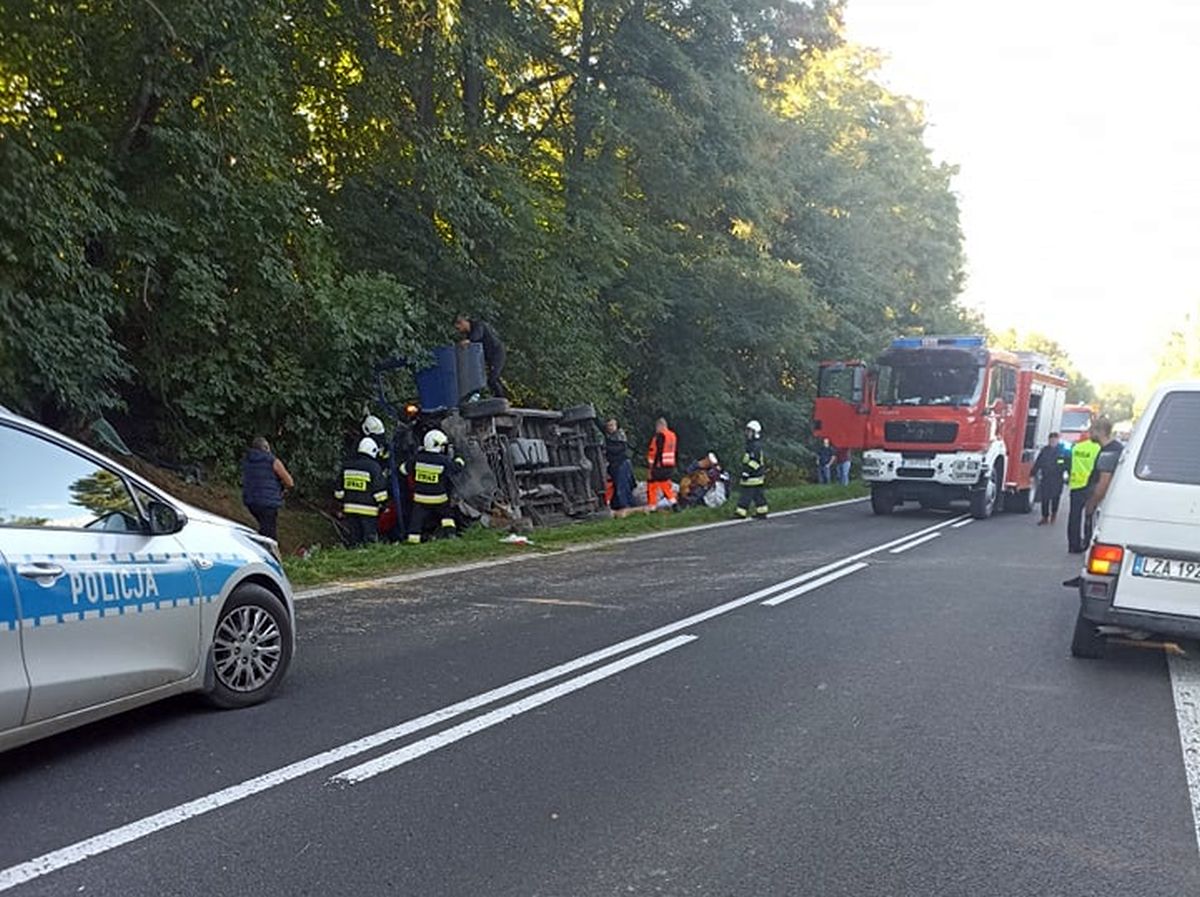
x=844 y=473
x=824 y=473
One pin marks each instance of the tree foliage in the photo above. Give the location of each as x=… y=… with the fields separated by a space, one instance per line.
x=220 y=214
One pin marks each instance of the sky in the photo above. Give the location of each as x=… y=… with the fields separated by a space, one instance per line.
x=1076 y=129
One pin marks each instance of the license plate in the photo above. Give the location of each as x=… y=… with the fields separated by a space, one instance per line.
x=918 y=462
x=1166 y=568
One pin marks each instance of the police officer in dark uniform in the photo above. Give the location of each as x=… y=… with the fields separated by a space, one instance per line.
x=1052 y=464
x=363 y=491
x=431 y=471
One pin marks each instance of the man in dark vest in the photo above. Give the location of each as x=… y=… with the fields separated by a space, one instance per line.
x=263 y=480
x=473 y=330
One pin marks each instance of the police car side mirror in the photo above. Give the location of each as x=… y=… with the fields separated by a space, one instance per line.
x=164 y=519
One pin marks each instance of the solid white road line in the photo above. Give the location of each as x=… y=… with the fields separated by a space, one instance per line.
x=909 y=546
x=963 y=523
x=343 y=588
x=815 y=584
x=82 y=850
x=1185 y=684
x=417 y=749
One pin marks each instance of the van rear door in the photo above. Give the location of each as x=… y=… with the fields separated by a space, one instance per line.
x=1153 y=510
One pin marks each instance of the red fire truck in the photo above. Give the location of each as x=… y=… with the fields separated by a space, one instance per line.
x=943 y=419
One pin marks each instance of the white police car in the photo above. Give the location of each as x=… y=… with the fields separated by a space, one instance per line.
x=113 y=594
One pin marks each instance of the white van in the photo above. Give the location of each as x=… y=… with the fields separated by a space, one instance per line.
x=1143 y=567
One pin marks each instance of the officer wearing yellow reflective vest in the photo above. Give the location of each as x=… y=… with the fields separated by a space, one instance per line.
x=1083 y=460
x=432 y=469
x=363 y=490
x=754 y=475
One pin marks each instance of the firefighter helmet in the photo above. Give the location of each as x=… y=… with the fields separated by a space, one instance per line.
x=435 y=441
x=754 y=427
x=369 y=447
x=372 y=426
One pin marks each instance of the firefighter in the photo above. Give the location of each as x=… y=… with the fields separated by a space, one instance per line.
x=754 y=476
x=660 y=458
x=431 y=469
x=362 y=492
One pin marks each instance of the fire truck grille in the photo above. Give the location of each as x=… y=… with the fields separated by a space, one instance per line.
x=928 y=431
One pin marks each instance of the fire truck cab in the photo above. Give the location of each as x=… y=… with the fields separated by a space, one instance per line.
x=943 y=419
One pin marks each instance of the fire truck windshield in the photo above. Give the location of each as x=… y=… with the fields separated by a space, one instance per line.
x=929 y=384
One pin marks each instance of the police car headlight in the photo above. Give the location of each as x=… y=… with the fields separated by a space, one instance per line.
x=267 y=544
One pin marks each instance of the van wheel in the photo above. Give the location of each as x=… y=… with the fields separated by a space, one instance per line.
x=883 y=500
x=251 y=648
x=1085 y=642
x=484 y=408
x=579 y=414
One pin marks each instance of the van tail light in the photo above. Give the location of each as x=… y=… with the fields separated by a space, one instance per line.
x=1105 y=560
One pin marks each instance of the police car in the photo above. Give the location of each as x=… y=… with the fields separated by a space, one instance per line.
x=114 y=594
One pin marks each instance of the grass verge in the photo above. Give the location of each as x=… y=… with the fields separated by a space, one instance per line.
x=342 y=565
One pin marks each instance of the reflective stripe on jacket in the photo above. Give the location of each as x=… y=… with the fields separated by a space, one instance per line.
x=753 y=465
x=431 y=477
x=661 y=452
x=1083 y=459
x=363 y=488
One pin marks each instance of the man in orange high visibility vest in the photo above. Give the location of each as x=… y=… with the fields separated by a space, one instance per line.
x=660 y=458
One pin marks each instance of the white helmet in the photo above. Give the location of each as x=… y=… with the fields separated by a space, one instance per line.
x=372 y=426
x=712 y=459
x=754 y=427
x=435 y=441
x=369 y=447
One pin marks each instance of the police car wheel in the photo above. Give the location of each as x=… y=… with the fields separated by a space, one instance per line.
x=251 y=649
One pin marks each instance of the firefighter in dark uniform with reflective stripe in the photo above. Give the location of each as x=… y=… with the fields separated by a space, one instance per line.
x=754 y=475
x=363 y=491
x=431 y=470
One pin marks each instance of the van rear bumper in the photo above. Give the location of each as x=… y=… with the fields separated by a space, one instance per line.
x=1095 y=597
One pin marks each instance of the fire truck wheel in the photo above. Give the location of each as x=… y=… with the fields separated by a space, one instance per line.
x=883 y=500
x=1020 y=502
x=1085 y=642
x=983 y=499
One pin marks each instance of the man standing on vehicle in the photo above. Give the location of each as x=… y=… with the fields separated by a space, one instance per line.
x=1083 y=460
x=1102 y=472
x=475 y=331
x=1051 y=465
x=362 y=492
x=660 y=458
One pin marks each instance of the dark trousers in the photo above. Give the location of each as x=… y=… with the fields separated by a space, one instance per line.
x=752 y=497
x=268 y=520
x=1075 y=523
x=1050 y=504
x=494 y=384
x=423 y=515
x=363 y=529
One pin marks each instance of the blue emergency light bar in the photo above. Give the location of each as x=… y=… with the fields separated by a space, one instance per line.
x=935 y=342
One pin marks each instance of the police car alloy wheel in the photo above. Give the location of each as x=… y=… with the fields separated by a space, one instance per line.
x=251 y=648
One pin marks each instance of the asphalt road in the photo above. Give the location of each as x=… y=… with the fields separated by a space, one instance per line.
x=904 y=723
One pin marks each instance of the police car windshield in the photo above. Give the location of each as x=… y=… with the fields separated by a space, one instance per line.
x=929 y=384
